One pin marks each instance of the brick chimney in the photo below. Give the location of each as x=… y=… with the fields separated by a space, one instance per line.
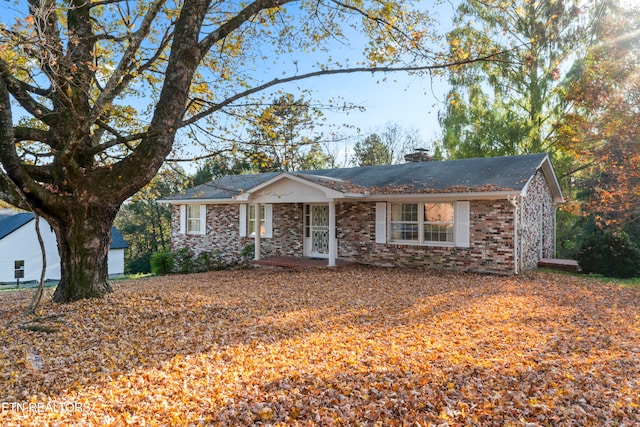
x=420 y=155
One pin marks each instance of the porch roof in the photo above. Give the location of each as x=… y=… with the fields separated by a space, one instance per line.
x=482 y=176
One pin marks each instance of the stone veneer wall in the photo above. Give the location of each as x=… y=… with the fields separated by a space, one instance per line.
x=537 y=223
x=491 y=240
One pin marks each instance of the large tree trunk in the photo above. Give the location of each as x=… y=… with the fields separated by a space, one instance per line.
x=84 y=238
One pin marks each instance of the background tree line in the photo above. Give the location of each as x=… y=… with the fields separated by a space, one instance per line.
x=574 y=93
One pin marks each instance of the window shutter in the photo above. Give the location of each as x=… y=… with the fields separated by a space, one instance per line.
x=381 y=222
x=203 y=219
x=268 y=220
x=462 y=224
x=243 y=220
x=183 y=219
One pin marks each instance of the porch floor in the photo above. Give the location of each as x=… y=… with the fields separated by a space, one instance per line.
x=296 y=262
x=560 y=264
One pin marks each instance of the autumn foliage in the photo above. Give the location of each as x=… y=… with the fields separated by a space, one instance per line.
x=347 y=346
x=603 y=132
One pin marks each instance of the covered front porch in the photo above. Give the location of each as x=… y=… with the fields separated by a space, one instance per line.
x=318 y=225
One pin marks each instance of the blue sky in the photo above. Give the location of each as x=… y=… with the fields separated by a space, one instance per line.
x=409 y=101
x=398 y=98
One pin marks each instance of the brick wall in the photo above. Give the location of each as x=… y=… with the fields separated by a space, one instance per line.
x=491 y=240
x=288 y=226
x=491 y=235
x=223 y=232
x=221 y=235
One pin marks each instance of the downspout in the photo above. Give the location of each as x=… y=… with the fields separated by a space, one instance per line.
x=516 y=241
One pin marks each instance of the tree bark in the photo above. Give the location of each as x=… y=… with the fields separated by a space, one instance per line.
x=84 y=238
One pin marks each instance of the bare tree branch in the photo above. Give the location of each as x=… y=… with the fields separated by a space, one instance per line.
x=20 y=93
x=117 y=81
x=217 y=106
x=234 y=23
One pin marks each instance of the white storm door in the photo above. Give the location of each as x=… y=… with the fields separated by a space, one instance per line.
x=317 y=231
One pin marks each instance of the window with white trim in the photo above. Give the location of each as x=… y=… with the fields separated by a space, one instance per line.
x=252 y=220
x=404 y=222
x=422 y=223
x=194 y=219
x=247 y=214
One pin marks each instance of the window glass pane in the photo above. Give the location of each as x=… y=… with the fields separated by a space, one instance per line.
x=193 y=218
x=438 y=222
x=404 y=212
x=252 y=220
x=404 y=231
x=404 y=222
x=438 y=212
x=410 y=212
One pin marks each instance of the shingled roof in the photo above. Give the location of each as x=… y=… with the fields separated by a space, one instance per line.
x=508 y=173
x=11 y=220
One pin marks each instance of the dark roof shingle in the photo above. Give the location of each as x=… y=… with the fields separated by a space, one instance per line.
x=448 y=176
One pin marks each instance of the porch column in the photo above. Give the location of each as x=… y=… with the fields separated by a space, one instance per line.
x=256 y=208
x=333 y=247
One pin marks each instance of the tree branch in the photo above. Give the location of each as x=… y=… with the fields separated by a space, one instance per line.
x=10 y=194
x=234 y=23
x=23 y=133
x=118 y=81
x=275 y=82
x=46 y=25
x=19 y=92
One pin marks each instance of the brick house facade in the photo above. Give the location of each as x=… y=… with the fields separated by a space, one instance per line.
x=493 y=215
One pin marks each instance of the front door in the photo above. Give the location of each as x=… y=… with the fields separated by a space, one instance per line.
x=316 y=231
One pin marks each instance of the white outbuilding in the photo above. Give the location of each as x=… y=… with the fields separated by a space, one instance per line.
x=20 y=254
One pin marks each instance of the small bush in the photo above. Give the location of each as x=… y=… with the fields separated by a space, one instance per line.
x=612 y=254
x=183 y=261
x=248 y=251
x=208 y=261
x=161 y=263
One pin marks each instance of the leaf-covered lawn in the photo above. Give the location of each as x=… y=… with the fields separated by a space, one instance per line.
x=347 y=346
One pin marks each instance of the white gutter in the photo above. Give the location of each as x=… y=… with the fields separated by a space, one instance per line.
x=243 y=198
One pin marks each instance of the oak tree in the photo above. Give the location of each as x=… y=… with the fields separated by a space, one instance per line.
x=95 y=94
